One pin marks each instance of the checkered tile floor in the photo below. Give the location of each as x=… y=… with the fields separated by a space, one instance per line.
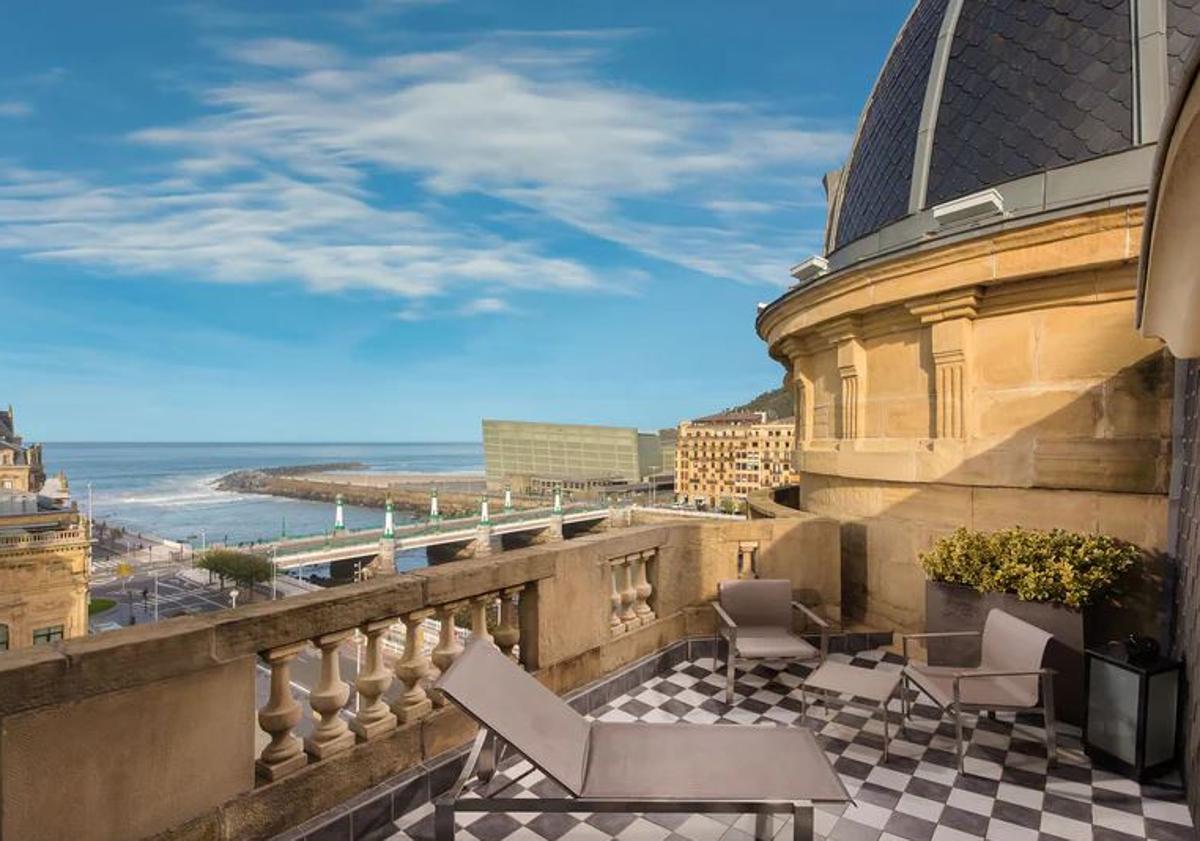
x=1007 y=794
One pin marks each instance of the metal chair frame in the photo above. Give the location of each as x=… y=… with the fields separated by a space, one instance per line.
x=727 y=631
x=487 y=752
x=957 y=706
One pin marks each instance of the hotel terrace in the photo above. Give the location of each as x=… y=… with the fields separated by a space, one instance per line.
x=997 y=333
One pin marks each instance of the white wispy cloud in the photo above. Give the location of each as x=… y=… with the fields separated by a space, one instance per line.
x=15 y=108
x=275 y=182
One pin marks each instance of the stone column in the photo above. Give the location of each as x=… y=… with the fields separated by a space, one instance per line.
x=285 y=752
x=641 y=586
x=479 y=609
x=613 y=568
x=412 y=669
x=628 y=596
x=332 y=734
x=508 y=634
x=448 y=647
x=374 y=717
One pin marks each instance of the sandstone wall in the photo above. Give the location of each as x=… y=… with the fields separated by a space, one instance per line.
x=992 y=382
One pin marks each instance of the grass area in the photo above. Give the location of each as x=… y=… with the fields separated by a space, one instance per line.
x=100 y=605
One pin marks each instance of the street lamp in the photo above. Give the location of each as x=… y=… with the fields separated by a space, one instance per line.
x=233 y=594
x=273 y=571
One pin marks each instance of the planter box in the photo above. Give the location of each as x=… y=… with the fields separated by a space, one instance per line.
x=953 y=607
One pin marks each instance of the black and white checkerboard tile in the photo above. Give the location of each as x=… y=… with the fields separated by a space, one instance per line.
x=1007 y=794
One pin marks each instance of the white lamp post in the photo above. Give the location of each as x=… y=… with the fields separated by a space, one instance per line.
x=233 y=594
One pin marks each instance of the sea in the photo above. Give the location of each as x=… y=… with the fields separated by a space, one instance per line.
x=168 y=489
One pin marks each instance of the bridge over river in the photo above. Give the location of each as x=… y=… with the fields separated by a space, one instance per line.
x=443 y=539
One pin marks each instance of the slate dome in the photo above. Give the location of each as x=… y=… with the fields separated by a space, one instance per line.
x=980 y=93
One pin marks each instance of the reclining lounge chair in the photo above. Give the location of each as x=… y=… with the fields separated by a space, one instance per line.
x=627 y=767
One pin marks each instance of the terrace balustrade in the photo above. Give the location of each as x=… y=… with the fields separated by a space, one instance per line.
x=186 y=686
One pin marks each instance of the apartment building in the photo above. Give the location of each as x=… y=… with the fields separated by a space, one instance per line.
x=721 y=458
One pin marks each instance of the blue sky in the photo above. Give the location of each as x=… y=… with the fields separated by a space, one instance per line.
x=384 y=220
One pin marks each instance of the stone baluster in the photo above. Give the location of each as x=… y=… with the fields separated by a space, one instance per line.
x=332 y=735
x=479 y=617
x=412 y=669
x=641 y=586
x=628 y=594
x=508 y=634
x=448 y=647
x=374 y=717
x=285 y=752
x=615 y=624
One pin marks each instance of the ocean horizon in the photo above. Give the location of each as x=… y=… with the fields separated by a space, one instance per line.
x=167 y=488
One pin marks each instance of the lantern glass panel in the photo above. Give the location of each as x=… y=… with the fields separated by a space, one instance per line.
x=1161 y=716
x=1112 y=710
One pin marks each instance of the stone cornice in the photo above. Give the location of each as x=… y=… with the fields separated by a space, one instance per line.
x=1097 y=240
x=960 y=303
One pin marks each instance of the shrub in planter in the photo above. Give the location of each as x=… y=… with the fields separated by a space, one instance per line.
x=1047 y=578
x=1058 y=566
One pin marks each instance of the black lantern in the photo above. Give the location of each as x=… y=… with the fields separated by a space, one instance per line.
x=1131 y=719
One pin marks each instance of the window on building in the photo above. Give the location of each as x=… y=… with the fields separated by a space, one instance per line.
x=42 y=636
x=3 y=638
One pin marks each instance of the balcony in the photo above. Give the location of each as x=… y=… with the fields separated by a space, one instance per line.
x=203 y=727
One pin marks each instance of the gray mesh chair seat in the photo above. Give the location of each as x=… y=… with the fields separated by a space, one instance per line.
x=618 y=767
x=773 y=644
x=938 y=683
x=705 y=762
x=1008 y=677
x=754 y=619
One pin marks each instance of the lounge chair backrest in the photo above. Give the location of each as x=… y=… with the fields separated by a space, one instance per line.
x=1012 y=644
x=762 y=602
x=510 y=702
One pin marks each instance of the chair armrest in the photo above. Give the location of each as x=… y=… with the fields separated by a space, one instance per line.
x=810 y=614
x=723 y=617
x=1003 y=673
x=904 y=638
x=821 y=623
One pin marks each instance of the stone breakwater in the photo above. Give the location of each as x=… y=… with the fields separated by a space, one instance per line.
x=457 y=495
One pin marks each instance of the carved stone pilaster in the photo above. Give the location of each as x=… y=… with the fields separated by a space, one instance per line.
x=799 y=353
x=950 y=317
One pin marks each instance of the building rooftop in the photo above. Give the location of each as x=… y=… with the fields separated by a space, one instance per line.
x=734 y=417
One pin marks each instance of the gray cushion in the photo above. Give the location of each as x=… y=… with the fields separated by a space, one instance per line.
x=758 y=602
x=708 y=762
x=773 y=644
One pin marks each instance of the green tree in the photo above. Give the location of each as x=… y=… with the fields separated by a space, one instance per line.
x=243 y=568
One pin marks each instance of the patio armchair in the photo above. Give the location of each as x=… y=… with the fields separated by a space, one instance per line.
x=1007 y=678
x=624 y=766
x=754 y=618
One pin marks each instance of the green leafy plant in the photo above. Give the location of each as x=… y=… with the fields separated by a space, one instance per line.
x=1069 y=568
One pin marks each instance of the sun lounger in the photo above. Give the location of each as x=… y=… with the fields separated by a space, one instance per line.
x=626 y=767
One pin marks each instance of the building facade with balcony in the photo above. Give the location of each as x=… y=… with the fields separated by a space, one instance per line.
x=722 y=458
x=45 y=549
x=20 y=464
x=963 y=350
